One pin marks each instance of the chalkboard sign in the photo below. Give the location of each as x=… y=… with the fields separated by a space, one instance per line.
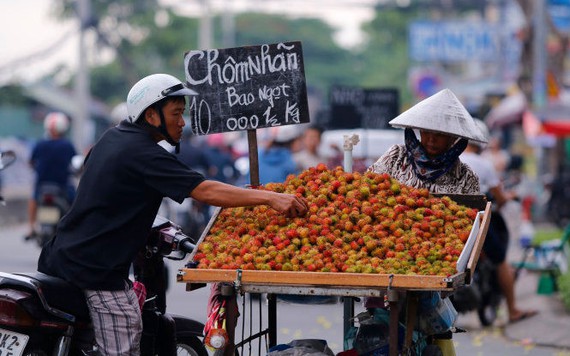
x=246 y=88
x=353 y=108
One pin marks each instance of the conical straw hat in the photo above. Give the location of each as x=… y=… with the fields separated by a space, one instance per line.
x=441 y=112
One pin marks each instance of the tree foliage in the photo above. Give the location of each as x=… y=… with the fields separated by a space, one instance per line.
x=145 y=43
x=12 y=95
x=326 y=63
x=385 y=61
x=148 y=37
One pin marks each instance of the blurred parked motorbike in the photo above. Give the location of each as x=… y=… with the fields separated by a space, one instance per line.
x=484 y=294
x=558 y=208
x=53 y=203
x=6 y=159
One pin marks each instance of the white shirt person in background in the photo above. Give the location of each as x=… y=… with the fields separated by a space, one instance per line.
x=496 y=243
x=309 y=155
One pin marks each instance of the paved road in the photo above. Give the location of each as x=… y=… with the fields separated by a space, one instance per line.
x=294 y=321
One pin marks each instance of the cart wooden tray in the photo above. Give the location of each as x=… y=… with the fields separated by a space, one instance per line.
x=329 y=283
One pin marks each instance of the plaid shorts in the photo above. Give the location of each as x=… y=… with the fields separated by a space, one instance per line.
x=117 y=321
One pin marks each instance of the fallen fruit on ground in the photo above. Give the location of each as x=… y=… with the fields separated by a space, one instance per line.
x=357 y=222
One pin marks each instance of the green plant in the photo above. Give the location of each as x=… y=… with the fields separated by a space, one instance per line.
x=546 y=234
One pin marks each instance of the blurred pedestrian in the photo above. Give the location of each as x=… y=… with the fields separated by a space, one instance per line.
x=211 y=156
x=51 y=161
x=497 y=240
x=276 y=160
x=309 y=155
x=192 y=152
x=497 y=155
x=220 y=159
x=193 y=215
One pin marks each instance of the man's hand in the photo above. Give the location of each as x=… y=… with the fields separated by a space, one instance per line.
x=225 y=195
x=290 y=205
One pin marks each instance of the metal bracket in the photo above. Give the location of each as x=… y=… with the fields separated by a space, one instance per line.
x=237 y=282
x=391 y=294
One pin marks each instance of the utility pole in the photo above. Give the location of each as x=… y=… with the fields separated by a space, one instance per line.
x=228 y=25
x=205 y=36
x=81 y=117
x=539 y=66
x=539 y=55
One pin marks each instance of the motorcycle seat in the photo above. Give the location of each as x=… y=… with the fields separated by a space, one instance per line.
x=62 y=295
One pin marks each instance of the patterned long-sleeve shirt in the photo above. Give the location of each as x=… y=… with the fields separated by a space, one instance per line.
x=460 y=179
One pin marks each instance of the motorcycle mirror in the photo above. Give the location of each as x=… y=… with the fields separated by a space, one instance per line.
x=242 y=165
x=7 y=158
x=77 y=163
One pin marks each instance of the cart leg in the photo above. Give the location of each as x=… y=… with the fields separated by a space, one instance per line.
x=348 y=315
x=272 y=319
x=394 y=321
x=411 y=316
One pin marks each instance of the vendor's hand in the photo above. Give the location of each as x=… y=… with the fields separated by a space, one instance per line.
x=290 y=205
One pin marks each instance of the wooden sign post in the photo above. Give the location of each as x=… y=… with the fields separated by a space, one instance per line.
x=247 y=88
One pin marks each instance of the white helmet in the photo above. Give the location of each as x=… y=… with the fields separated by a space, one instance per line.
x=152 y=89
x=119 y=113
x=56 y=123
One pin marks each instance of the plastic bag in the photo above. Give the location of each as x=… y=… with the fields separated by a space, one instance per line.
x=436 y=315
x=349 y=337
x=313 y=347
x=215 y=329
x=372 y=336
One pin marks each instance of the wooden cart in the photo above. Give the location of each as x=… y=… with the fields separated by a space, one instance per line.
x=349 y=284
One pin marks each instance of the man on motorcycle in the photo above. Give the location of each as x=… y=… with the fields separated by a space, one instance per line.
x=125 y=178
x=51 y=160
x=496 y=242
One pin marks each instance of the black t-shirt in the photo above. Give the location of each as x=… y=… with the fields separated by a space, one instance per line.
x=125 y=178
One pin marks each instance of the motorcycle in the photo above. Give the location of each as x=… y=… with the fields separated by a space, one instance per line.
x=6 y=159
x=484 y=295
x=558 y=209
x=53 y=203
x=42 y=315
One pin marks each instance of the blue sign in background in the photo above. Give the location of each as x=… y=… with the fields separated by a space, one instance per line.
x=453 y=41
x=559 y=11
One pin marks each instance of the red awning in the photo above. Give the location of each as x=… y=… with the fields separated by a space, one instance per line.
x=555 y=119
x=559 y=128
